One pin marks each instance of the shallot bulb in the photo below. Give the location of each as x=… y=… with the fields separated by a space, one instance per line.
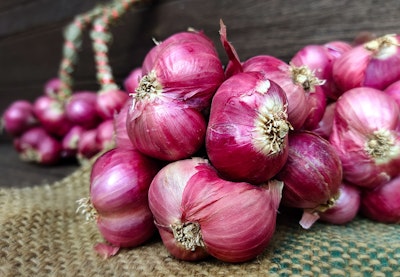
x=346 y=206
x=52 y=87
x=365 y=134
x=121 y=134
x=248 y=128
x=163 y=129
x=184 y=67
x=81 y=109
x=105 y=136
x=374 y=64
x=198 y=214
x=109 y=102
x=87 y=145
x=383 y=203
x=36 y=145
x=316 y=103
x=52 y=115
x=119 y=183
x=312 y=176
x=131 y=82
x=71 y=140
x=394 y=91
x=18 y=118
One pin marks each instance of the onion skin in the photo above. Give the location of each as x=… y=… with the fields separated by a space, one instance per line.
x=52 y=87
x=317 y=105
x=119 y=183
x=366 y=141
x=383 y=203
x=52 y=115
x=312 y=174
x=18 y=118
x=70 y=141
x=87 y=145
x=164 y=130
x=373 y=64
x=346 y=206
x=394 y=91
x=105 y=134
x=122 y=139
x=36 y=145
x=190 y=192
x=81 y=109
x=278 y=71
x=247 y=132
x=324 y=126
x=132 y=81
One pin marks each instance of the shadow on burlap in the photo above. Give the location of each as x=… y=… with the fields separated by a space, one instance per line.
x=42 y=235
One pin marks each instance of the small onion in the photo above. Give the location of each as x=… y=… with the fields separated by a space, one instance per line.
x=121 y=134
x=18 y=117
x=36 y=145
x=312 y=176
x=87 y=145
x=109 y=102
x=119 y=183
x=52 y=115
x=52 y=87
x=131 y=82
x=346 y=206
x=374 y=64
x=70 y=141
x=198 y=214
x=81 y=109
x=248 y=128
x=316 y=102
x=105 y=134
x=365 y=134
x=382 y=204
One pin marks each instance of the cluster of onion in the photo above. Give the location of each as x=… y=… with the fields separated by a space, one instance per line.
x=58 y=126
x=207 y=155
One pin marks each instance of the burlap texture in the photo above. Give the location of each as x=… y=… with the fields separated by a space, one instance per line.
x=42 y=235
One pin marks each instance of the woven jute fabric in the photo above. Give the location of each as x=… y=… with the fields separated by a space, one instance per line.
x=42 y=235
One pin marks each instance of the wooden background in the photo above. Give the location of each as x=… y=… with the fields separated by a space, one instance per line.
x=31 y=35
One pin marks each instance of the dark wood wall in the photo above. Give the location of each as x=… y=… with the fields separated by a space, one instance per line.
x=31 y=33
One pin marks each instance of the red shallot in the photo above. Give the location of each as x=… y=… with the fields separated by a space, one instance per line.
x=119 y=183
x=375 y=64
x=365 y=134
x=394 y=91
x=248 y=128
x=312 y=176
x=198 y=214
x=81 y=109
x=18 y=117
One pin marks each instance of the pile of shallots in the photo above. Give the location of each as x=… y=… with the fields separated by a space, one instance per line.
x=206 y=155
x=56 y=127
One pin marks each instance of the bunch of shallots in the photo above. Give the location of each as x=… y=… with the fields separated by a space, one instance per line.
x=206 y=155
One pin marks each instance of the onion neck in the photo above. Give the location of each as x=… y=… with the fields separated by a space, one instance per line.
x=383 y=47
x=305 y=77
x=85 y=207
x=188 y=235
x=149 y=87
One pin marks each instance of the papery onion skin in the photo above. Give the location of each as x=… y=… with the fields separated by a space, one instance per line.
x=119 y=183
x=316 y=103
x=165 y=198
x=105 y=134
x=247 y=131
x=131 y=82
x=383 y=203
x=365 y=135
x=394 y=91
x=81 y=109
x=312 y=174
x=70 y=141
x=279 y=72
x=346 y=206
x=165 y=130
x=87 y=145
x=373 y=64
x=190 y=193
x=121 y=134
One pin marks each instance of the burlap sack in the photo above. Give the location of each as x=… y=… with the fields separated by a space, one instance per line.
x=42 y=235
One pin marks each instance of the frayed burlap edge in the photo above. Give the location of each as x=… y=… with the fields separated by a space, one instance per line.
x=42 y=235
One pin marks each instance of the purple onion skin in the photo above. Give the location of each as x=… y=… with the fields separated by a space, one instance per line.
x=312 y=174
x=81 y=109
x=110 y=102
x=18 y=117
x=383 y=203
